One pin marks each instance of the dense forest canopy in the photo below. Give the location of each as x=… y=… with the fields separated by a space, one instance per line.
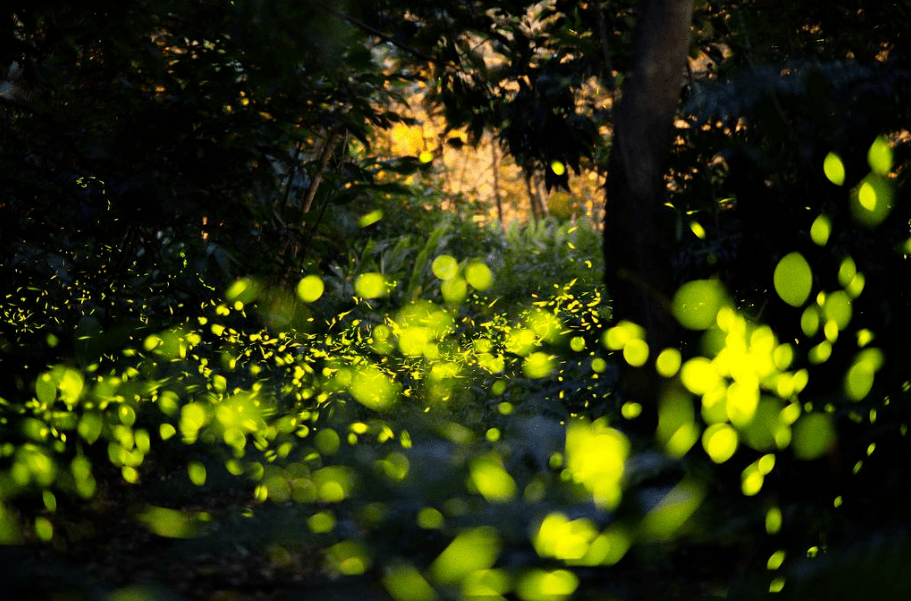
x=250 y=346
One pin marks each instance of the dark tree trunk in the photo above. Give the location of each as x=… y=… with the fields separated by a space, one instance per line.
x=638 y=274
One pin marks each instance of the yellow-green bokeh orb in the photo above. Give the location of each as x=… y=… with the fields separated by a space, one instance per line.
x=793 y=279
x=696 y=304
x=872 y=202
x=834 y=169
x=310 y=288
x=370 y=285
x=814 y=435
x=445 y=267
x=479 y=276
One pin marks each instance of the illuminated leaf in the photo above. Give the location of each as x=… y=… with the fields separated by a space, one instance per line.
x=557 y=167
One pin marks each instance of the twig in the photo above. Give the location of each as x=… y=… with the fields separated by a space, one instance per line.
x=325 y=155
x=371 y=30
x=608 y=75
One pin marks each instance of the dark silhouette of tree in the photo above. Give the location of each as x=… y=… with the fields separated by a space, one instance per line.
x=636 y=249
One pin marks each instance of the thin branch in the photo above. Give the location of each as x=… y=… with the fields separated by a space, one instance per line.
x=608 y=75
x=325 y=155
x=373 y=31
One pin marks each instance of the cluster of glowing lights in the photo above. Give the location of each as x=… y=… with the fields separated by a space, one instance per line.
x=596 y=455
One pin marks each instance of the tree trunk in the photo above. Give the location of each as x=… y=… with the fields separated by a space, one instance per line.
x=638 y=272
x=495 y=166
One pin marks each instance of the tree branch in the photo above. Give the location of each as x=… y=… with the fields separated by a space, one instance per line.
x=373 y=31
